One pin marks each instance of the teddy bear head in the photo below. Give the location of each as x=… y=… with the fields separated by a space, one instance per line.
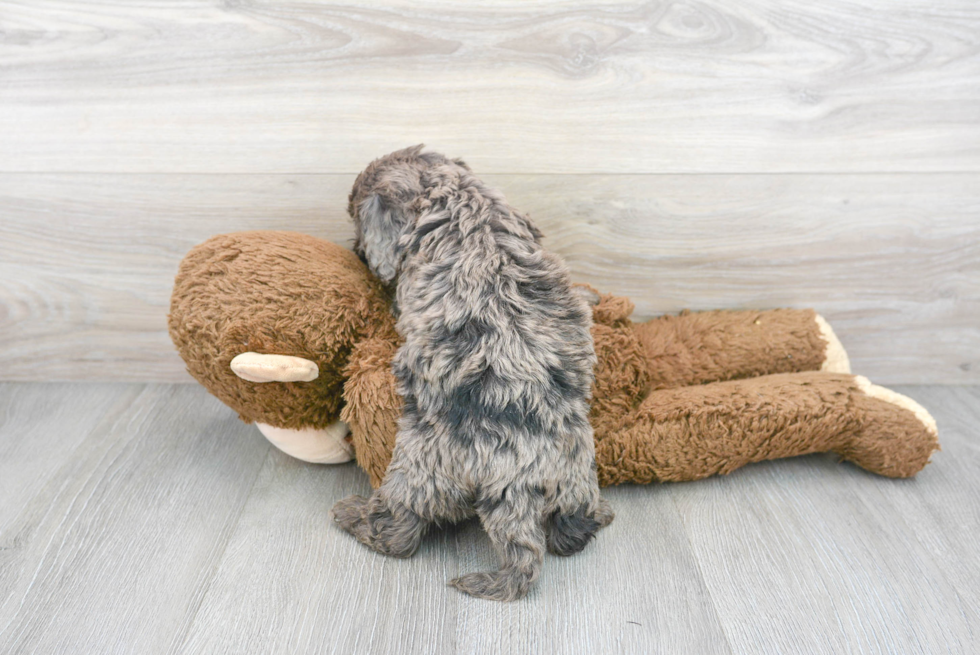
x=281 y=294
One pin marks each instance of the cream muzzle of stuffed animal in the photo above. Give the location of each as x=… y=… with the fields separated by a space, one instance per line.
x=326 y=446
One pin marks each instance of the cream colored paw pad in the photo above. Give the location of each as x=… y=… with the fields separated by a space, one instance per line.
x=835 y=357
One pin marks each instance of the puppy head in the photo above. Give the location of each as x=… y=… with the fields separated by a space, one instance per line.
x=384 y=205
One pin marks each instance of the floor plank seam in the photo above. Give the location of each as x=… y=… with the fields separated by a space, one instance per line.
x=104 y=426
x=179 y=641
x=700 y=572
x=796 y=555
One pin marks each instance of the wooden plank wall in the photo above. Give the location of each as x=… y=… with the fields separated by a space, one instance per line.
x=699 y=155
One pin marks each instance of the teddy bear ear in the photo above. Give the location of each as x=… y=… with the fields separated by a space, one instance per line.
x=380 y=227
x=258 y=367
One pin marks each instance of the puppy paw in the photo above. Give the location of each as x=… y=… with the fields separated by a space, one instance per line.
x=395 y=534
x=349 y=513
x=568 y=534
x=497 y=585
x=604 y=513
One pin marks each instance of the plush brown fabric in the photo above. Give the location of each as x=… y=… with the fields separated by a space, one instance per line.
x=372 y=406
x=676 y=398
x=275 y=293
x=654 y=422
x=695 y=348
x=891 y=440
x=688 y=433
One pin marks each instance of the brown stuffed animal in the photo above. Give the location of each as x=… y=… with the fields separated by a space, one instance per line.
x=294 y=333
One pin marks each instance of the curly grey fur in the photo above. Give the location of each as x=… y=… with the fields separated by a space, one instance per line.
x=495 y=372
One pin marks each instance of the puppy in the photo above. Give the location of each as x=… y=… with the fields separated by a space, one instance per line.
x=495 y=373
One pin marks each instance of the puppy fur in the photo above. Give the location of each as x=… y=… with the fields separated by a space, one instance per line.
x=495 y=372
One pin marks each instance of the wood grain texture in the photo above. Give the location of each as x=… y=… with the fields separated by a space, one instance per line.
x=172 y=528
x=812 y=555
x=893 y=261
x=636 y=589
x=112 y=553
x=698 y=154
x=48 y=423
x=87 y=262
x=311 y=588
x=945 y=517
x=542 y=87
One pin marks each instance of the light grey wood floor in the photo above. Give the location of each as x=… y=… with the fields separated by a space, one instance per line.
x=146 y=518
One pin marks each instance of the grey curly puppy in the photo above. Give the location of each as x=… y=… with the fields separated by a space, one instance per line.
x=495 y=372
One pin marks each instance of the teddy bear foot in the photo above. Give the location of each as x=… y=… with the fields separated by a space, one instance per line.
x=835 y=357
x=898 y=436
x=326 y=446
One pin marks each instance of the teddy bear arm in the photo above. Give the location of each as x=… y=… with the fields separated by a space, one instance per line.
x=372 y=406
x=700 y=347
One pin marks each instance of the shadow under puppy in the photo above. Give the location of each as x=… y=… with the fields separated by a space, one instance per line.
x=495 y=372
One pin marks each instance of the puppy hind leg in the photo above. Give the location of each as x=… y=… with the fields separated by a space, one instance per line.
x=514 y=528
x=388 y=527
x=569 y=533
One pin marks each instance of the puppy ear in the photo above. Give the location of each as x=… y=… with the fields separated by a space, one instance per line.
x=381 y=227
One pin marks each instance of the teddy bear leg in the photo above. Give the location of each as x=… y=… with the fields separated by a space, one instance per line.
x=326 y=446
x=694 y=432
x=702 y=347
x=897 y=436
